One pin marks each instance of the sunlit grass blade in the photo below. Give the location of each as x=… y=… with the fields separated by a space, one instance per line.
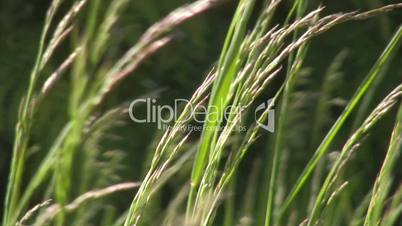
x=355 y=100
x=23 y=127
x=394 y=210
x=326 y=194
x=295 y=63
x=227 y=69
x=384 y=179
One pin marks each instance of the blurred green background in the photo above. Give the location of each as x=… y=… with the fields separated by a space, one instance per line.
x=177 y=70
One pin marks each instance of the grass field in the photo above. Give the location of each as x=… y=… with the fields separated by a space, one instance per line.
x=249 y=112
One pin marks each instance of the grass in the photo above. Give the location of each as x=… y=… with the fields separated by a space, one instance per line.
x=73 y=178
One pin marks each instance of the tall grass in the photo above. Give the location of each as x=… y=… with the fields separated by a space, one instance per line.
x=256 y=56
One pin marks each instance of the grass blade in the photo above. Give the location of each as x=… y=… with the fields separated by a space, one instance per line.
x=327 y=141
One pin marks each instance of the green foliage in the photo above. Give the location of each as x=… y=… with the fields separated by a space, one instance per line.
x=63 y=170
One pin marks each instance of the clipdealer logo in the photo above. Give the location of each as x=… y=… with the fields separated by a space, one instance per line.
x=270 y=123
x=163 y=115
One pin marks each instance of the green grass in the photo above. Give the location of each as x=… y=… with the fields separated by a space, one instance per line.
x=206 y=171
